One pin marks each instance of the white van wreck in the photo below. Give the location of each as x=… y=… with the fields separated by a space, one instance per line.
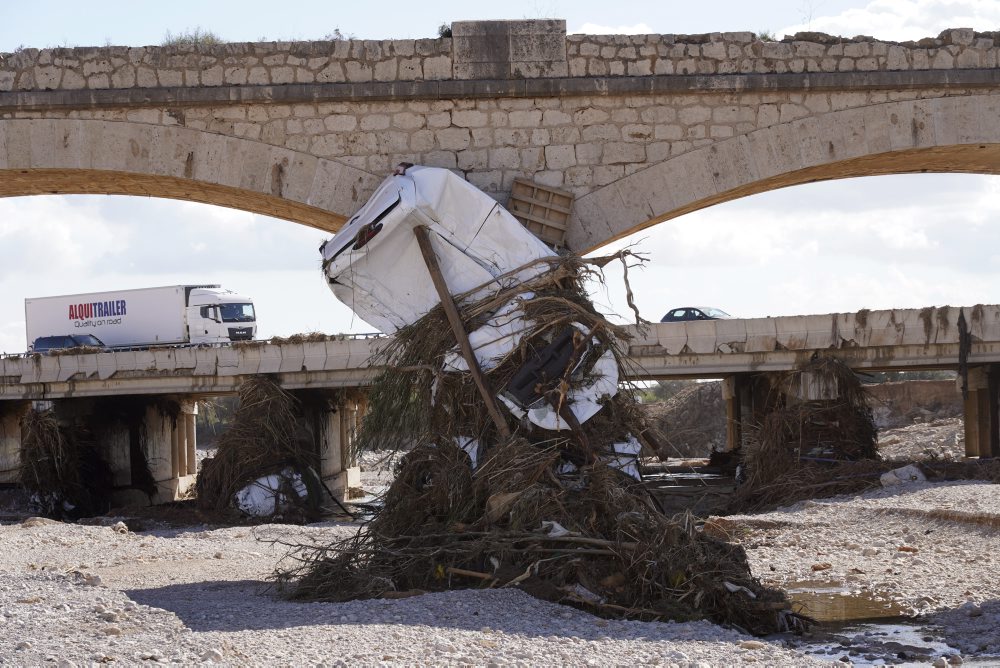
x=375 y=266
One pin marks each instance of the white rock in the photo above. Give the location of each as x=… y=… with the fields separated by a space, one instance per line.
x=906 y=474
x=212 y=656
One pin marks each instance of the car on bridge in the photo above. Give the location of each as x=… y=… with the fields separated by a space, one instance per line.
x=687 y=313
x=45 y=344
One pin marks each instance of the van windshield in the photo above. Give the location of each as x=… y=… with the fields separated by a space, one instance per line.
x=237 y=312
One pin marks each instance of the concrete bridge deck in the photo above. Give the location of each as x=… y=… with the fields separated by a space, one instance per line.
x=875 y=340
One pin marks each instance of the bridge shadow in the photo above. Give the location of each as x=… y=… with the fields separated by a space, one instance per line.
x=251 y=605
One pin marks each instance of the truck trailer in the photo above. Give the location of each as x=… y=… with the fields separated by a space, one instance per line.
x=170 y=315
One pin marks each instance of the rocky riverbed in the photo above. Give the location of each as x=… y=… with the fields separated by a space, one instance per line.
x=78 y=594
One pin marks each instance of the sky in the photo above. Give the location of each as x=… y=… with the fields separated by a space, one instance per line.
x=880 y=242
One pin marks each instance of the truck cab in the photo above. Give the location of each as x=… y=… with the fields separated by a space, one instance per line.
x=215 y=315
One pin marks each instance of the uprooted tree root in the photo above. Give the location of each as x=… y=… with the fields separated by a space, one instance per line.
x=267 y=433
x=443 y=526
x=542 y=510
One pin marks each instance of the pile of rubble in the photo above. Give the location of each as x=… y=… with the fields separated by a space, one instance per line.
x=504 y=379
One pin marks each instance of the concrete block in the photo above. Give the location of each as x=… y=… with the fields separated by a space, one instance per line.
x=791 y=332
x=983 y=323
x=882 y=328
x=47 y=369
x=249 y=360
x=292 y=358
x=204 y=362
x=87 y=365
x=185 y=358
x=68 y=367
x=124 y=360
x=227 y=360
x=359 y=352
x=164 y=360
x=672 y=336
x=270 y=359
x=761 y=335
x=701 y=337
x=730 y=336
x=314 y=356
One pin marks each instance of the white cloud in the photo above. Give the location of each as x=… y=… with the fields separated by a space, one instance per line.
x=902 y=20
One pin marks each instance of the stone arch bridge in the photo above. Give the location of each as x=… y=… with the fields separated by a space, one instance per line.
x=639 y=128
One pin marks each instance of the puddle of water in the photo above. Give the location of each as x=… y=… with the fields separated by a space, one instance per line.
x=903 y=644
x=861 y=627
x=838 y=602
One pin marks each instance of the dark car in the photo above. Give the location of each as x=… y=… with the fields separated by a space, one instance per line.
x=44 y=344
x=695 y=313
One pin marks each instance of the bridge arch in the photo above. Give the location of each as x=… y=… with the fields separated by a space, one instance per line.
x=73 y=156
x=951 y=134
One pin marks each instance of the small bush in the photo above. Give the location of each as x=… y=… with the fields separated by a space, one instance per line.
x=192 y=38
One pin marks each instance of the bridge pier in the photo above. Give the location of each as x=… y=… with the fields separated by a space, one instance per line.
x=148 y=443
x=748 y=397
x=982 y=412
x=337 y=420
x=10 y=440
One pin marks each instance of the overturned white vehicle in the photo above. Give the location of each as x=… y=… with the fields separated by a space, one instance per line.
x=424 y=220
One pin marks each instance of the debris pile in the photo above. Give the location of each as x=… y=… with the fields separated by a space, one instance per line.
x=266 y=461
x=506 y=381
x=62 y=469
x=818 y=440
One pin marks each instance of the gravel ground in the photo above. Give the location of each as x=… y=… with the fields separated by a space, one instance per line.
x=925 y=549
x=83 y=594
x=75 y=594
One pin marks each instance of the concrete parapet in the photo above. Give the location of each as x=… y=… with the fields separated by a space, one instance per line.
x=762 y=335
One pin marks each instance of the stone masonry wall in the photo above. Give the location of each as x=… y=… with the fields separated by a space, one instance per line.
x=533 y=49
x=575 y=142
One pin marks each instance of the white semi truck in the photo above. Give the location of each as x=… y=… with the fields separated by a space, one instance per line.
x=170 y=315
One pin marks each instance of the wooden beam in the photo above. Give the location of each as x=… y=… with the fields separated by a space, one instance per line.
x=455 y=320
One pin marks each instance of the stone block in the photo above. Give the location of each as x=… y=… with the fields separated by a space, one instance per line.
x=732 y=164
x=471 y=118
x=358 y=72
x=623 y=152
x=438 y=68
x=560 y=157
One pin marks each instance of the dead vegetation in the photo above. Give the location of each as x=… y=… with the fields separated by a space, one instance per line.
x=267 y=434
x=811 y=447
x=62 y=469
x=541 y=510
